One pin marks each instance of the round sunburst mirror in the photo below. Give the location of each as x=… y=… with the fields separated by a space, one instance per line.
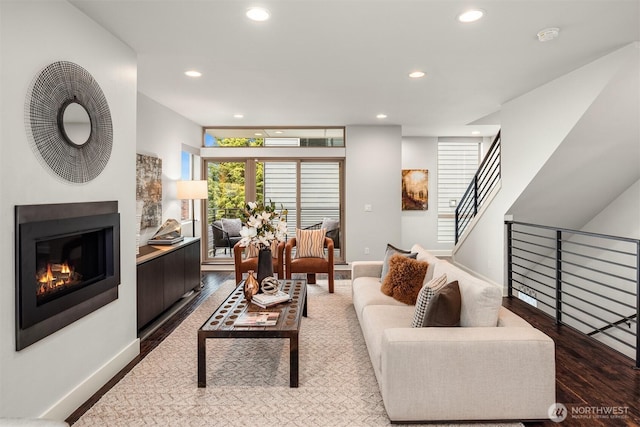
x=68 y=122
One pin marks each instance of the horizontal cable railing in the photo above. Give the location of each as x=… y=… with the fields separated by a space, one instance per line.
x=483 y=182
x=215 y=214
x=588 y=281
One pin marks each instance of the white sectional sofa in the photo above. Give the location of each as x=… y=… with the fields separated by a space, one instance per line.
x=495 y=366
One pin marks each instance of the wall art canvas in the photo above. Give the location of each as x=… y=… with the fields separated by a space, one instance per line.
x=149 y=189
x=415 y=193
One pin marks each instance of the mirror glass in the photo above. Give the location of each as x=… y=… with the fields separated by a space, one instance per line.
x=76 y=123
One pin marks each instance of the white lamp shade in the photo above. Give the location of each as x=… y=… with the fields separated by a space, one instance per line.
x=192 y=190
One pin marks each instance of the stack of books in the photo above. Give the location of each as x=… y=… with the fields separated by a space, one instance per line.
x=258 y=318
x=267 y=300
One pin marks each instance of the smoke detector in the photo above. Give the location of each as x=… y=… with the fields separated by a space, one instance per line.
x=548 y=34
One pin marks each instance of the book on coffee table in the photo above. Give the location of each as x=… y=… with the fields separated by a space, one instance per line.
x=267 y=300
x=258 y=318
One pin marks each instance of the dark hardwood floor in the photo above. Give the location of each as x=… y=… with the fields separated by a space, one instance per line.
x=590 y=378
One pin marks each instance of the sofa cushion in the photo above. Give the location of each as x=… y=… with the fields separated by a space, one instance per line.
x=425 y=255
x=375 y=320
x=388 y=253
x=232 y=226
x=366 y=291
x=330 y=224
x=481 y=300
x=310 y=243
x=405 y=278
x=427 y=291
x=444 y=308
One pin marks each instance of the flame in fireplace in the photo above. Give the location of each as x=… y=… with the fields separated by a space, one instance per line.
x=55 y=277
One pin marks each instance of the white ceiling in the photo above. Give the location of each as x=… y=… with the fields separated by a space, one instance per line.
x=337 y=63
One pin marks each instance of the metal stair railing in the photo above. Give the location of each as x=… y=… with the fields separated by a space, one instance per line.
x=587 y=281
x=483 y=182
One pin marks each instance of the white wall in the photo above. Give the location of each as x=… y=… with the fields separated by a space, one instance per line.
x=533 y=125
x=596 y=162
x=161 y=133
x=373 y=177
x=422 y=226
x=621 y=217
x=57 y=374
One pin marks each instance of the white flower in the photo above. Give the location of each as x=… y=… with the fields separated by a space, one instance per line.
x=247 y=234
x=263 y=225
x=265 y=216
x=255 y=222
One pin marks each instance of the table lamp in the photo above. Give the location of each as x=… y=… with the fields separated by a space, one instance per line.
x=192 y=190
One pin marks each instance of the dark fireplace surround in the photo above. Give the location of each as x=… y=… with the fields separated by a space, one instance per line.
x=67 y=265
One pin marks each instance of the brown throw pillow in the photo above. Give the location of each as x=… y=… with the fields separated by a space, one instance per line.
x=388 y=253
x=404 y=280
x=444 y=308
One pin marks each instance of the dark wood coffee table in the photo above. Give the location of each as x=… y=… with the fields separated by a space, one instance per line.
x=221 y=324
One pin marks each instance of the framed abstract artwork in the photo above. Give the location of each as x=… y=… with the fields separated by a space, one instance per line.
x=415 y=189
x=149 y=189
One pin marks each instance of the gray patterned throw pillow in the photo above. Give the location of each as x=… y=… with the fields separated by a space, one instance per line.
x=424 y=296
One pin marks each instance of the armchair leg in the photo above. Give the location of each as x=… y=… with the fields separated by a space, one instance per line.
x=311 y=278
x=330 y=283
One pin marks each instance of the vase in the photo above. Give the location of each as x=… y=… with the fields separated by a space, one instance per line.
x=265 y=265
x=251 y=286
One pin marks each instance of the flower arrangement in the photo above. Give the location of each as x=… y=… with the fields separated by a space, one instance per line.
x=263 y=224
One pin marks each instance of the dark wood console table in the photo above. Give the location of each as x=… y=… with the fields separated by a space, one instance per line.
x=164 y=275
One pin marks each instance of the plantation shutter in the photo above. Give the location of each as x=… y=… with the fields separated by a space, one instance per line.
x=457 y=164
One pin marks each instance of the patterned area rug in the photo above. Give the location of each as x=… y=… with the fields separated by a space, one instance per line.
x=248 y=379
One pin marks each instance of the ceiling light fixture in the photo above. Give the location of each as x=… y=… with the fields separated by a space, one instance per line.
x=416 y=74
x=475 y=132
x=258 y=14
x=193 y=73
x=381 y=116
x=257 y=134
x=548 y=34
x=238 y=116
x=471 y=15
x=279 y=132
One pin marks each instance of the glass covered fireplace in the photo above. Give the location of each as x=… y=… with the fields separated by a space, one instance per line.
x=67 y=265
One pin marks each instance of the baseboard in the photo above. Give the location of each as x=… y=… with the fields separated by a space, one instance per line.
x=83 y=391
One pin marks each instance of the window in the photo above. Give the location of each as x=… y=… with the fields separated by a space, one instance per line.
x=273 y=164
x=274 y=137
x=189 y=158
x=457 y=164
x=186 y=174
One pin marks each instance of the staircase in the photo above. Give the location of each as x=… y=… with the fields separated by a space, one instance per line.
x=481 y=187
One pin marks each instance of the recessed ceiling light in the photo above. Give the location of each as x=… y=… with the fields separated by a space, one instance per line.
x=548 y=34
x=238 y=116
x=193 y=73
x=475 y=132
x=258 y=14
x=381 y=116
x=471 y=15
x=416 y=74
x=279 y=132
x=257 y=134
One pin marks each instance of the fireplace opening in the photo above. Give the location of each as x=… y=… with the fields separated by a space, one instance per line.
x=67 y=265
